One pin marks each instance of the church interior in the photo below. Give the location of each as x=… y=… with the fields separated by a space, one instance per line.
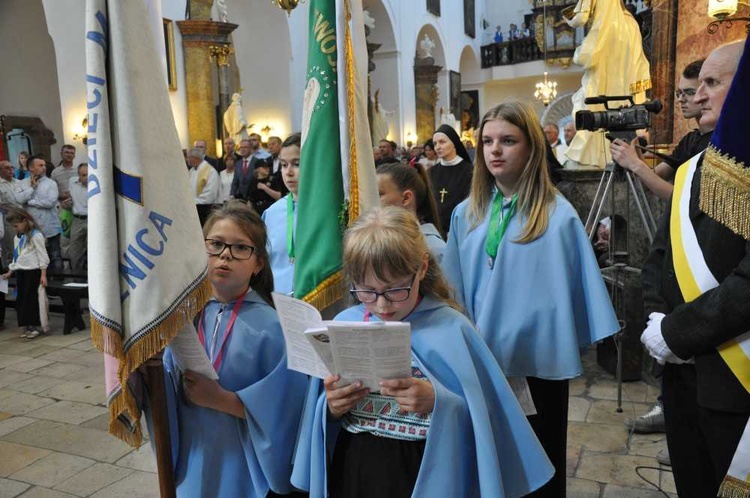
x=238 y=67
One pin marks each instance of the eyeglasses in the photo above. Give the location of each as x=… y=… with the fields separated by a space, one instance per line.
x=393 y=295
x=237 y=251
x=687 y=93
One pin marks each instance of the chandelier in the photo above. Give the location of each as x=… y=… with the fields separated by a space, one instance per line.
x=723 y=11
x=546 y=90
x=287 y=5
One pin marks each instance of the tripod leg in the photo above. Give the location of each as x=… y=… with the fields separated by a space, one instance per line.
x=599 y=204
x=590 y=218
x=638 y=204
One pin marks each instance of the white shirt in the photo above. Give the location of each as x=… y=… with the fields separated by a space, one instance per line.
x=33 y=254
x=79 y=194
x=226 y=185
x=210 y=191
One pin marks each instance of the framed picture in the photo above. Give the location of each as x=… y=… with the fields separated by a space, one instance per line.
x=469 y=110
x=470 y=18
x=169 y=47
x=433 y=7
x=455 y=95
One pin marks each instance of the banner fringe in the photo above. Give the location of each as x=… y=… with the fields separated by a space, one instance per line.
x=327 y=292
x=350 y=101
x=731 y=487
x=109 y=341
x=725 y=191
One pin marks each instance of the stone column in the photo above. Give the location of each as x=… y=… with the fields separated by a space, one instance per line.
x=425 y=81
x=198 y=38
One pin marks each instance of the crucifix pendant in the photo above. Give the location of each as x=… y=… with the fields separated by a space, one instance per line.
x=443 y=193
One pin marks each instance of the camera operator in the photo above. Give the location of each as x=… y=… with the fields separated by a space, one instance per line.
x=658 y=179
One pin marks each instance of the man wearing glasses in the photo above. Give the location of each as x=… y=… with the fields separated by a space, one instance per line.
x=658 y=179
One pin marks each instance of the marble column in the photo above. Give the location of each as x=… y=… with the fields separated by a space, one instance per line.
x=198 y=38
x=425 y=81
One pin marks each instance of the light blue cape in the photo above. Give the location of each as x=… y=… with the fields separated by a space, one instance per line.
x=479 y=443
x=541 y=301
x=282 y=269
x=217 y=454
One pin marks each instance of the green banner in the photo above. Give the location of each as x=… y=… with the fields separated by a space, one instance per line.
x=321 y=191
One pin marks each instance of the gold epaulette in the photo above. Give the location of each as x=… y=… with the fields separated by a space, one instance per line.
x=725 y=191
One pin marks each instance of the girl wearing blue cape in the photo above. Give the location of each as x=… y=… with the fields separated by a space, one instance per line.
x=408 y=186
x=235 y=436
x=524 y=269
x=452 y=429
x=281 y=218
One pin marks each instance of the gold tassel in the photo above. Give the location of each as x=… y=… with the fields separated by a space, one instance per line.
x=327 y=292
x=725 y=191
x=640 y=86
x=351 y=111
x=110 y=342
x=731 y=487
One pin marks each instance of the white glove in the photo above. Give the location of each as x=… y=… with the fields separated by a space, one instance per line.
x=653 y=340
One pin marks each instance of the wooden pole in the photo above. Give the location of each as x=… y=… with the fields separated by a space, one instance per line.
x=160 y=420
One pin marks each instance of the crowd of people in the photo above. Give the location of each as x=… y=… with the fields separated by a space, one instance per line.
x=44 y=229
x=472 y=251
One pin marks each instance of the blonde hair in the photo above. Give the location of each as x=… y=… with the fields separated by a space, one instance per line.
x=534 y=187
x=388 y=242
x=253 y=227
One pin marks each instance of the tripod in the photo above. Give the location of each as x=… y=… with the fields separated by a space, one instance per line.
x=618 y=260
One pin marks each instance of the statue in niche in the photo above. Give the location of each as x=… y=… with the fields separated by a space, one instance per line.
x=426 y=46
x=234 y=120
x=369 y=21
x=379 y=120
x=612 y=45
x=221 y=10
x=449 y=119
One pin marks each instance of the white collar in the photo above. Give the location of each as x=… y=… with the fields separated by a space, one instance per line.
x=452 y=162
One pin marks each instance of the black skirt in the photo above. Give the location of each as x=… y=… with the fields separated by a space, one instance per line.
x=27 y=301
x=367 y=466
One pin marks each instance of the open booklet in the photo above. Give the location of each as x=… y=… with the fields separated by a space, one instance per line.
x=364 y=351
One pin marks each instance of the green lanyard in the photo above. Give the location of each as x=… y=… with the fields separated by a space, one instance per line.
x=290 y=227
x=498 y=224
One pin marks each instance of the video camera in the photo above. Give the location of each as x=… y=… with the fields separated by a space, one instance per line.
x=630 y=118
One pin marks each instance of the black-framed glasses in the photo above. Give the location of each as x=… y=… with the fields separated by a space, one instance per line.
x=237 y=251
x=394 y=295
x=687 y=93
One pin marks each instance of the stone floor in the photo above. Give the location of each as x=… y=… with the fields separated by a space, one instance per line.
x=54 y=444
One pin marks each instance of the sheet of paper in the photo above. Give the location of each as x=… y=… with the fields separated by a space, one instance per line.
x=78 y=285
x=320 y=340
x=3 y=286
x=520 y=388
x=296 y=317
x=189 y=353
x=371 y=352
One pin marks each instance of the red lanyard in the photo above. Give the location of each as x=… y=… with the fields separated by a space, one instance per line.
x=232 y=318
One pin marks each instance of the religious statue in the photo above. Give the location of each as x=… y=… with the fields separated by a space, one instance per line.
x=612 y=46
x=449 y=119
x=379 y=120
x=426 y=46
x=234 y=120
x=369 y=20
x=221 y=10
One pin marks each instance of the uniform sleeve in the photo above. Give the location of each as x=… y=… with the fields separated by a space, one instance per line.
x=721 y=314
x=652 y=269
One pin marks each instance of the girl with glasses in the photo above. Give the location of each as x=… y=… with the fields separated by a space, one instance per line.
x=524 y=268
x=235 y=436
x=454 y=428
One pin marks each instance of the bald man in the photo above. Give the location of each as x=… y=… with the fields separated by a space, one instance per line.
x=706 y=408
